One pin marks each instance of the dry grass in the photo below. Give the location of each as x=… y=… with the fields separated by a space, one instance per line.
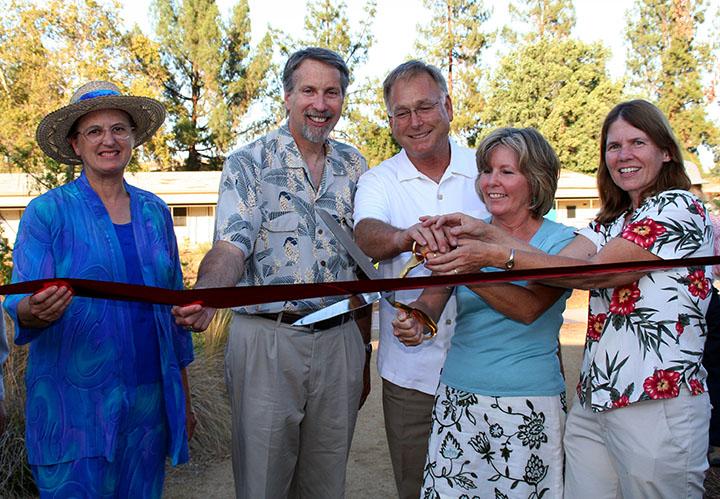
x=190 y=257
x=206 y=374
x=15 y=477
x=207 y=389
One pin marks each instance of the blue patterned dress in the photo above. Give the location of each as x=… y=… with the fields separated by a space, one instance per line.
x=82 y=373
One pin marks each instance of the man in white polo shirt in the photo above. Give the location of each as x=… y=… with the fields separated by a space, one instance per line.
x=431 y=175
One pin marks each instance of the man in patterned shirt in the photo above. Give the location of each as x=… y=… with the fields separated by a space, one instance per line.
x=294 y=391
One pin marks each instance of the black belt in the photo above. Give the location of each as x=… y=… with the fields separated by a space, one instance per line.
x=290 y=317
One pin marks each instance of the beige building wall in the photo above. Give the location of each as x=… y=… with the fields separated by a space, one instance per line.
x=192 y=197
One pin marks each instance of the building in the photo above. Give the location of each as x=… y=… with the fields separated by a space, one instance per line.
x=576 y=200
x=192 y=197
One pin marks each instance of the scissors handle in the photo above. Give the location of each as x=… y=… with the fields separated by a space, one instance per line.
x=419 y=315
x=416 y=258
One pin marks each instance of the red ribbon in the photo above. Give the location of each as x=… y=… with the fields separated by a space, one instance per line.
x=250 y=295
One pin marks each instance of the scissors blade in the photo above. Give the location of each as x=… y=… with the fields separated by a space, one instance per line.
x=354 y=302
x=346 y=241
x=363 y=261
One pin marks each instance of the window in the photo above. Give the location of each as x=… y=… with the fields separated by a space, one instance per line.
x=571 y=211
x=179 y=216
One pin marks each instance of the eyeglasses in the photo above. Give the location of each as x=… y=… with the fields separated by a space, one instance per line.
x=95 y=134
x=423 y=111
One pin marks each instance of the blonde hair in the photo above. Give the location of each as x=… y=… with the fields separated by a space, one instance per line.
x=537 y=161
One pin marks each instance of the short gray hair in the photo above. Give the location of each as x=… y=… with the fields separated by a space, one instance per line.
x=537 y=161
x=316 y=54
x=409 y=69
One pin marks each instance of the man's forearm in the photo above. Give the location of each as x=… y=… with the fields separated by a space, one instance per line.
x=223 y=266
x=380 y=240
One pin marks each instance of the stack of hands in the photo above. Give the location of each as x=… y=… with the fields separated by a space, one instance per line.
x=454 y=244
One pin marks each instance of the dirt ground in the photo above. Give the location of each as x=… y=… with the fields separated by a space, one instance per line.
x=369 y=469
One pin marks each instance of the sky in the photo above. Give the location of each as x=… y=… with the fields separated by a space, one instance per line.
x=396 y=21
x=396 y=27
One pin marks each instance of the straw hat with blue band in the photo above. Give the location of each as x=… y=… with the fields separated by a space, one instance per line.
x=52 y=132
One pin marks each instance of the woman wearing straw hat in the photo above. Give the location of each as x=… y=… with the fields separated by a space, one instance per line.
x=106 y=385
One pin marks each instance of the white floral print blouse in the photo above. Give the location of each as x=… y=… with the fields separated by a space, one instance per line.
x=645 y=339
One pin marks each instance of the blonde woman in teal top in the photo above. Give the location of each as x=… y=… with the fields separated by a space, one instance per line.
x=499 y=409
x=106 y=388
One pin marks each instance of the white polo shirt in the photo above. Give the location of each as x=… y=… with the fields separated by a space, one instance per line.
x=395 y=192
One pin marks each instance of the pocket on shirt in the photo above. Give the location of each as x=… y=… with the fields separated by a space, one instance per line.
x=285 y=222
x=279 y=241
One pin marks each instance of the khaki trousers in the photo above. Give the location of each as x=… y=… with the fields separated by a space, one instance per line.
x=648 y=450
x=408 y=419
x=294 y=398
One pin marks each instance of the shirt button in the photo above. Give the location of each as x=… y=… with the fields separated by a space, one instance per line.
x=440 y=196
x=322 y=263
x=448 y=321
x=320 y=231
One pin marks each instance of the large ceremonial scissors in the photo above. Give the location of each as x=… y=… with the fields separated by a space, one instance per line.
x=355 y=302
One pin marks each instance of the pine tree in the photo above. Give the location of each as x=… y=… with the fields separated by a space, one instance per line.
x=455 y=41
x=545 y=19
x=210 y=76
x=562 y=89
x=666 y=63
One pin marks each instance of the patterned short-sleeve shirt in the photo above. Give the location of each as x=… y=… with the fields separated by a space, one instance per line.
x=645 y=339
x=266 y=208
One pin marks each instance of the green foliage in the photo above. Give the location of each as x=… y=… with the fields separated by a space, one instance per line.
x=666 y=63
x=68 y=43
x=562 y=89
x=209 y=75
x=367 y=127
x=364 y=122
x=455 y=41
x=5 y=259
x=544 y=18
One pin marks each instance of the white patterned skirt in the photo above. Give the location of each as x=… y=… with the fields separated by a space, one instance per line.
x=498 y=447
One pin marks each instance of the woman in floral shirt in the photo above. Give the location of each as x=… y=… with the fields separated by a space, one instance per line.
x=638 y=427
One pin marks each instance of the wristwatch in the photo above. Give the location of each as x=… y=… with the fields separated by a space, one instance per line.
x=510 y=263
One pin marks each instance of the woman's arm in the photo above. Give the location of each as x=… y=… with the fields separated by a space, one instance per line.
x=44 y=307
x=582 y=252
x=471 y=255
x=504 y=298
x=407 y=329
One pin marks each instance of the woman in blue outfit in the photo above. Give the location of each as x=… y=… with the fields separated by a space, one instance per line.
x=499 y=409
x=107 y=392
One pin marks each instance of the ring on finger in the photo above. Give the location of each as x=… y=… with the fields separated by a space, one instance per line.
x=455 y=270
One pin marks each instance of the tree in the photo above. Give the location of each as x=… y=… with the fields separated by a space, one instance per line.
x=455 y=42
x=209 y=75
x=545 y=19
x=68 y=44
x=364 y=122
x=562 y=89
x=666 y=61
